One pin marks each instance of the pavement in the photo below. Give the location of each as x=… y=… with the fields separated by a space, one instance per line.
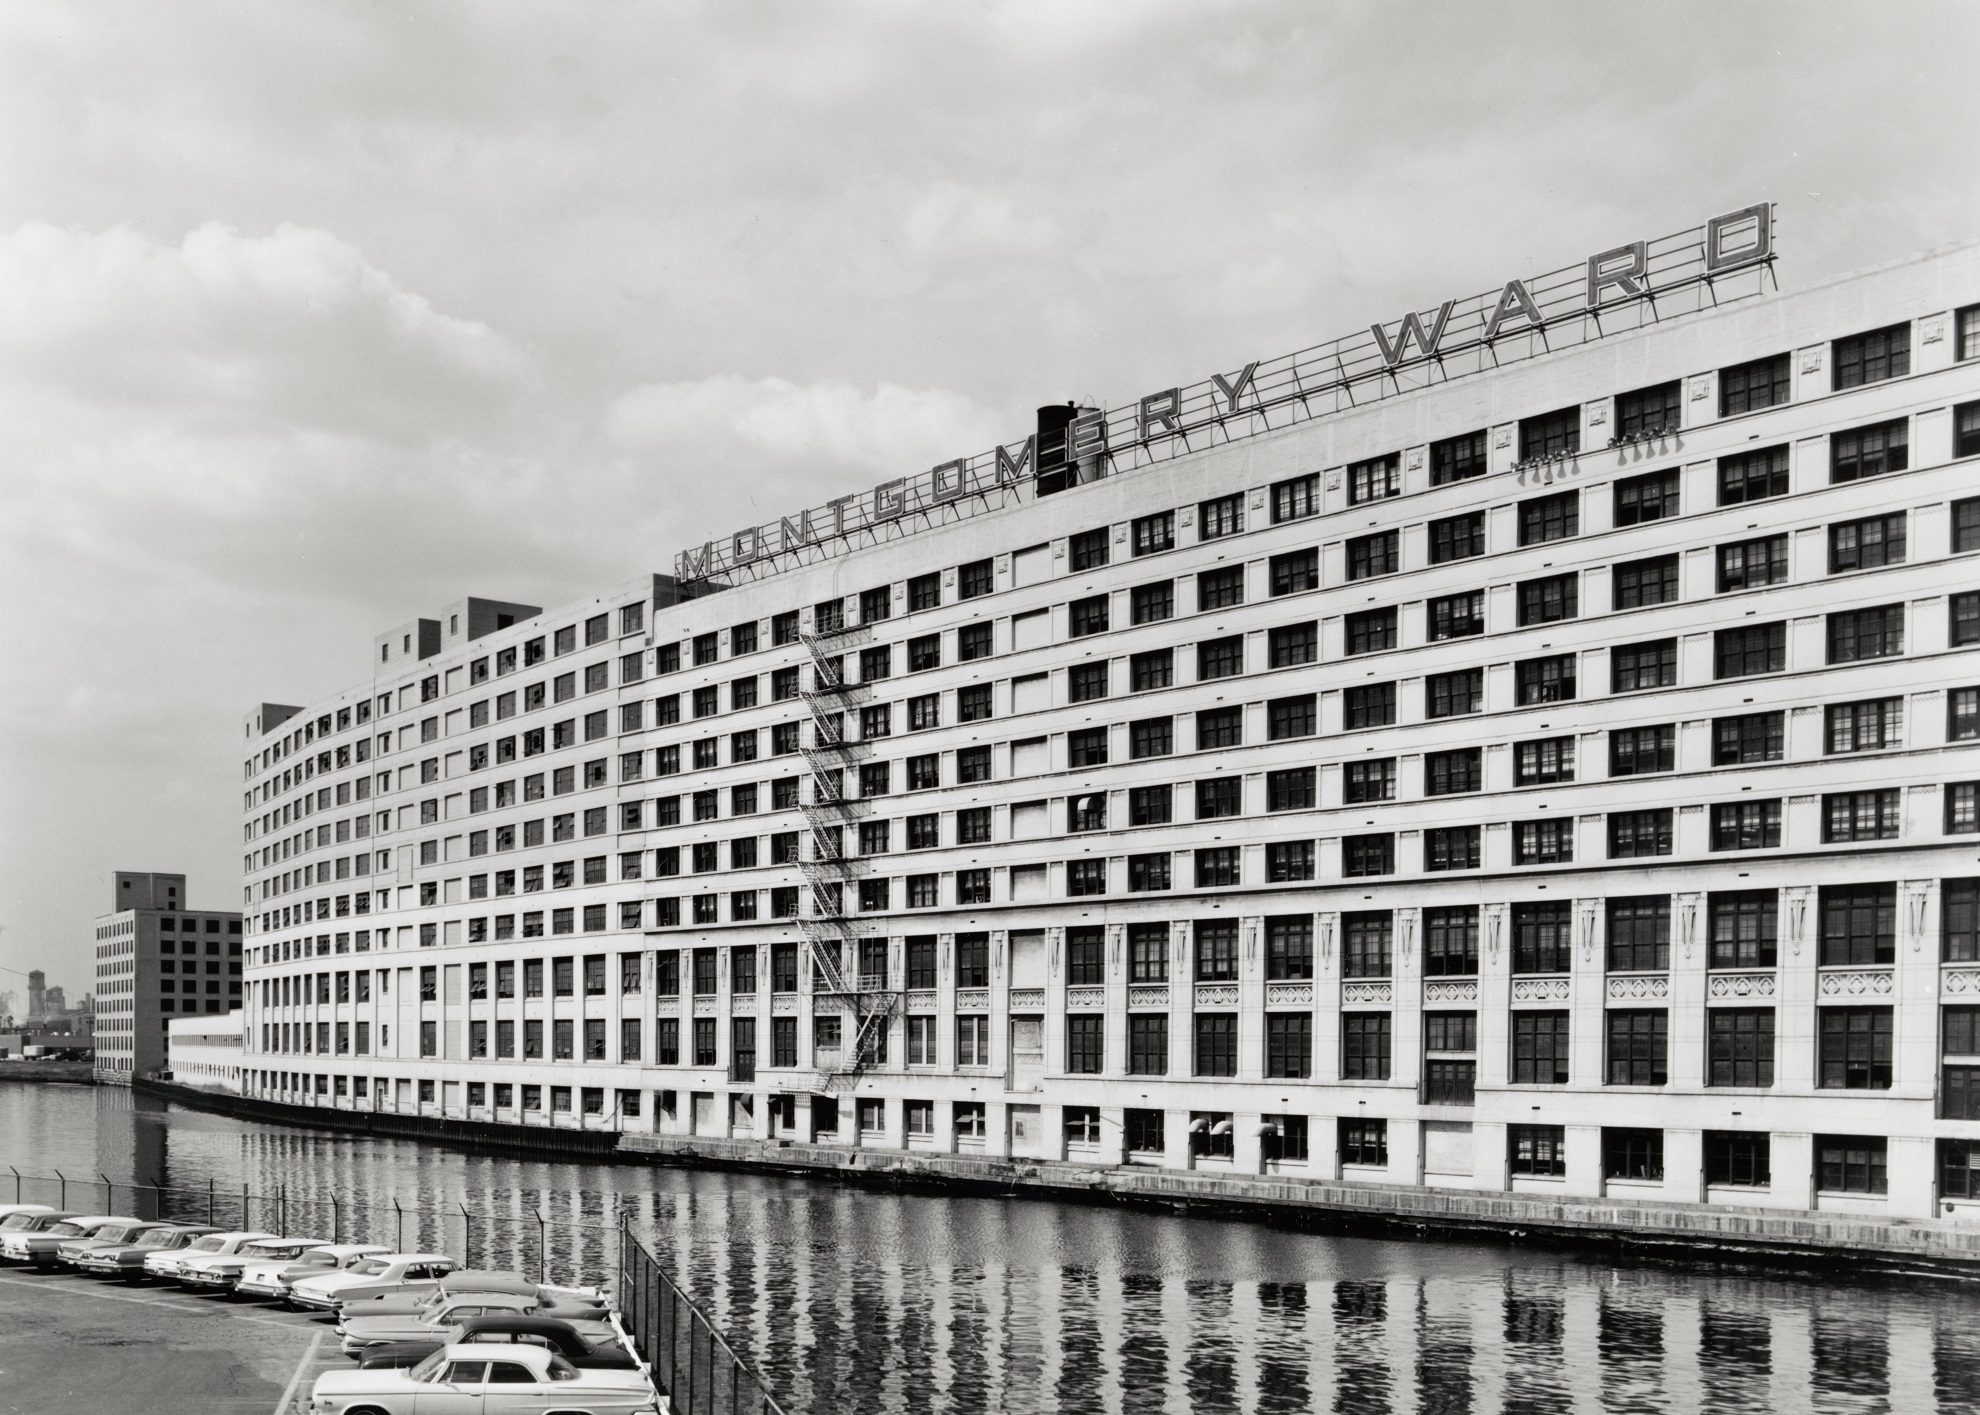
x=73 y=1345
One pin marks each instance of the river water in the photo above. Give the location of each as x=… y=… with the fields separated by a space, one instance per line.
x=851 y=1300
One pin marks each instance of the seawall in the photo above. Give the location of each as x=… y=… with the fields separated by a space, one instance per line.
x=1686 y=1232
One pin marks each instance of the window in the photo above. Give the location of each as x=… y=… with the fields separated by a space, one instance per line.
x=1869 y=451
x=1457 y=458
x=1287 y=718
x=1752 y=737
x=1962 y=807
x=1219 y=797
x=1378 y=553
x=1539 y=1048
x=1296 y=498
x=1457 y=537
x=1859 y=924
x=1865 y=726
x=925 y=591
x=1364 y=1142
x=1453 y=772
x=1753 y=564
x=1867 y=544
x=1086 y=747
x=1966 y=430
x=1637 y=751
x=1856 y=635
x=1216 y=951
x=1538 y=1151
x=1088 y=549
x=1635 y=667
x=1221 y=516
x=1632 y=1154
x=1154 y=533
x=1087 y=616
x=1739 y=1157
x=1365 y=1046
x=1370 y=780
x=1649 y=412
x=1636 y=834
x=1295 y=572
x=1962 y=714
x=1750 y=387
x=973 y=641
x=1967 y=336
x=1457 y=616
x=1151 y=805
x=1547 y=518
x=1642 y=583
x=1219 y=727
x=1365 y=943
x=1542 y=937
x=1746 y=825
x=1152 y=737
x=1363 y=856
x=1292 y=789
x=1639 y=933
x=1454 y=694
x=1963 y=615
x=1546 y=760
x=1151 y=670
x=1451 y=847
x=1854 y=1048
x=1151 y=604
x=1294 y=644
x=1543 y=842
x=1371 y=630
x=1739 y=1046
x=1556 y=434
x=1369 y=705
x=1753 y=476
x=1653 y=496
x=1745 y=926
x=1873 y=356
x=1220 y=658
x=1216 y=1044
x=1748 y=650
x=1289 y=1044
x=1544 y=680
x=1374 y=480
x=1217 y=867
x=1851 y=1164
x=1638 y=1045
x=1861 y=815
x=976 y=579
x=1086 y=1044
x=1450 y=941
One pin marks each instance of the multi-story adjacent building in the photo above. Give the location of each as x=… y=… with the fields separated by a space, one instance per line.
x=157 y=959
x=1558 y=778
x=205 y=1051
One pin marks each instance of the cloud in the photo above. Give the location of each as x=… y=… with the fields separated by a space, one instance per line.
x=295 y=328
x=726 y=424
x=952 y=219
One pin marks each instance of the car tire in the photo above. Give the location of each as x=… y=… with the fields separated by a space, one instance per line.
x=366 y=1410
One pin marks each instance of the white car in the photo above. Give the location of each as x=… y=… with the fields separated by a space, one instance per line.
x=165 y=1265
x=218 y=1272
x=38 y=1245
x=478 y=1380
x=372 y=1277
x=128 y=1262
x=7 y=1211
x=274 y=1279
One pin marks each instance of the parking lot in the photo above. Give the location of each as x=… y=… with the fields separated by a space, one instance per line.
x=73 y=1345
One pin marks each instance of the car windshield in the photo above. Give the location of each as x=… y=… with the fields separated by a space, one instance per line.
x=158 y=1238
x=370 y=1266
x=67 y=1230
x=14 y=1223
x=212 y=1243
x=430 y=1368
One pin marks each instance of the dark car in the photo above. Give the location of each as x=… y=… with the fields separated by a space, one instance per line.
x=552 y=1332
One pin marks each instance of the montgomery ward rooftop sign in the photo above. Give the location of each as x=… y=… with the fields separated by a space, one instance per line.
x=1611 y=292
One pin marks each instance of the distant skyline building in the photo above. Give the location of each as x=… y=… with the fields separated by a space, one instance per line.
x=1546 y=762
x=157 y=959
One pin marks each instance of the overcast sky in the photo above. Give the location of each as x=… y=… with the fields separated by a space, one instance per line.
x=315 y=316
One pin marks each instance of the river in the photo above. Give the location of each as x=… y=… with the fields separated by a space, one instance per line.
x=851 y=1300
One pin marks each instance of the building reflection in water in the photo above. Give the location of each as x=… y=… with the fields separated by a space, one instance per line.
x=904 y=1303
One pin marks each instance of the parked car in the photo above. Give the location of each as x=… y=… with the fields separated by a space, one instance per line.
x=218 y=1272
x=164 y=1266
x=274 y=1279
x=7 y=1211
x=518 y=1380
x=580 y=1348
x=128 y=1262
x=574 y=1302
x=38 y=1246
x=443 y=1311
x=69 y=1253
x=21 y=1224
x=373 y=1277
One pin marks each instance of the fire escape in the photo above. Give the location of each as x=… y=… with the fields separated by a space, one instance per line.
x=832 y=936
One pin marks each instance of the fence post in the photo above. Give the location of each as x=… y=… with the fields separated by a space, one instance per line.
x=281 y=1208
x=157 y=1199
x=542 y=1247
x=336 y=1220
x=62 y=1201
x=399 y=1226
x=467 y=1235
x=209 y=1203
x=244 y=1206
x=17 y=1183
x=109 y=1193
